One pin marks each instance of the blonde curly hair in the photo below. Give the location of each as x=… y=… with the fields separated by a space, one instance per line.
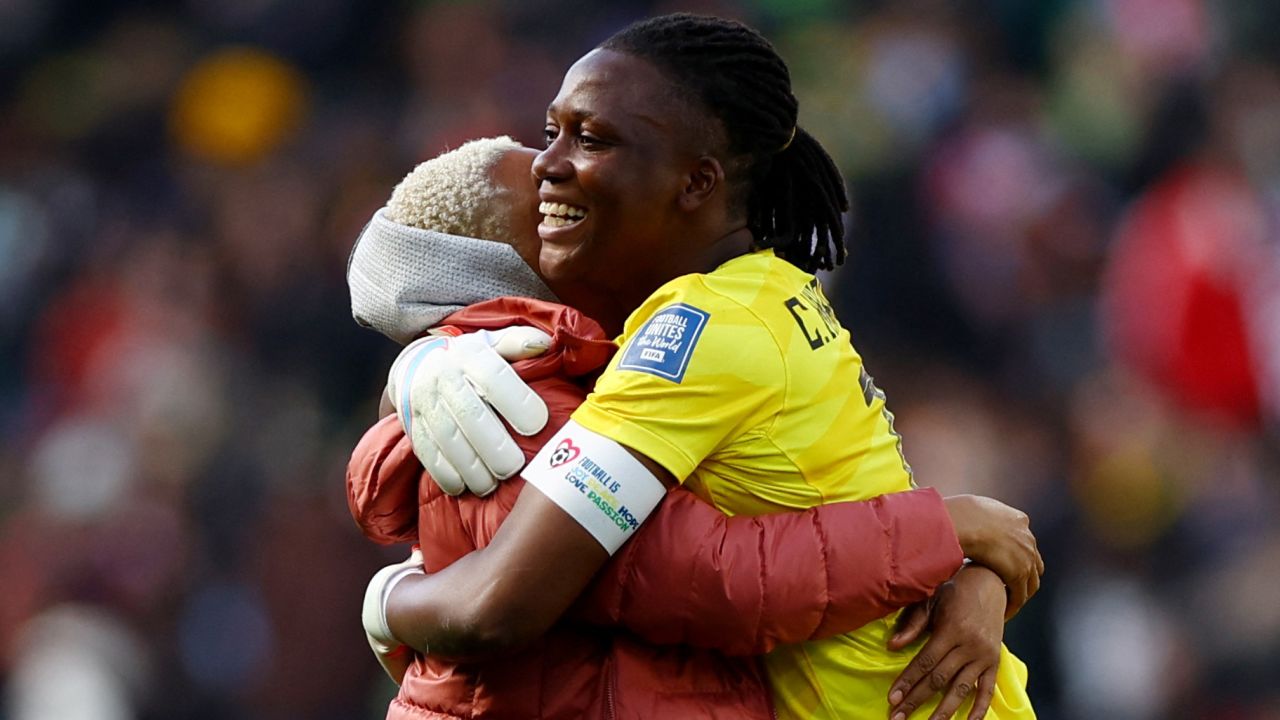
x=455 y=193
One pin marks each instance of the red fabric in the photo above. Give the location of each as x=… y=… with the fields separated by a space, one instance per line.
x=1176 y=299
x=756 y=582
x=752 y=582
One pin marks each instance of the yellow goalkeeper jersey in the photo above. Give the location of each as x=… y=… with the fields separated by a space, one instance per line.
x=742 y=384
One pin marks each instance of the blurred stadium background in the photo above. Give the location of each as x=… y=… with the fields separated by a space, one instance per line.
x=1064 y=275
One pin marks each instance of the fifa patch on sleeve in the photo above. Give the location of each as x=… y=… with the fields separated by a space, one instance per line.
x=665 y=343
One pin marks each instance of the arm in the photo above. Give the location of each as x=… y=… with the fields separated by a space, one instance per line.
x=552 y=543
x=756 y=582
x=585 y=495
x=763 y=580
x=497 y=615
x=793 y=576
x=503 y=595
x=382 y=484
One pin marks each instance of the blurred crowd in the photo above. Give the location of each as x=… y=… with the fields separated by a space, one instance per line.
x=1065 y=273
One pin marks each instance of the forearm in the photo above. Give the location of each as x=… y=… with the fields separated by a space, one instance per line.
x=382 y=484
x=751 y=583
x=447 y=613
x=504 y=595
x=885 y=554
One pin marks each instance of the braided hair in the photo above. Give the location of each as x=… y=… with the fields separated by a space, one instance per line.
x=789 y=187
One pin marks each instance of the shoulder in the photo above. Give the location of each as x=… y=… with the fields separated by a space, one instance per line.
x=755 y=290
x=728 y=321
x=751 y=287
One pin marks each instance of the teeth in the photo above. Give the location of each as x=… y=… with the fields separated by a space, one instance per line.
x=561 y=210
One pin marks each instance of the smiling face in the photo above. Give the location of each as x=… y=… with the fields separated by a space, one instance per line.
x=612 y=179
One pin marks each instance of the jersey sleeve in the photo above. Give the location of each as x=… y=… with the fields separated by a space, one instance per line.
x=696 y=368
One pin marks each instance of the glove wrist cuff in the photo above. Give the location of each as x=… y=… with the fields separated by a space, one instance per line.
x=375 y=601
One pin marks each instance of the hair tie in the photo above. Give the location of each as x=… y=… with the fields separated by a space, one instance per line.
x=790 y=138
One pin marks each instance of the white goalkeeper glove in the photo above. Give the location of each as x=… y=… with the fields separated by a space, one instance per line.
x=393 y=655
x=440 y=386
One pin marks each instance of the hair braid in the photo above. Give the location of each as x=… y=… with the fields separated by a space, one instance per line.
x=790 y=189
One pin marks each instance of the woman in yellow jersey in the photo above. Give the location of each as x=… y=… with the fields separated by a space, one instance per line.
x=678 y=183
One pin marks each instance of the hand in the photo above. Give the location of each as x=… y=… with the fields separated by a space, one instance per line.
x=439 y=387
x=392 y=655
x=999 y=537
x=963 y=652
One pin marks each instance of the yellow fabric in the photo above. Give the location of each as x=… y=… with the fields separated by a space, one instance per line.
x=742 y=383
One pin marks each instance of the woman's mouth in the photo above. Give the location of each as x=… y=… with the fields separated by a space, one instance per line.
x=558 y=215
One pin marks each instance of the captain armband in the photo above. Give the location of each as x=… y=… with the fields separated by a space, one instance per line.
x=597 y=481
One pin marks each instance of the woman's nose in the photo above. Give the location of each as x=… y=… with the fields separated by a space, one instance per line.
x=552 y=164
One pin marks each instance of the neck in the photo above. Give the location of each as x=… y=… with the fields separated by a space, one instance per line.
x=731 y=245
x=599 y=304
x=610 y=302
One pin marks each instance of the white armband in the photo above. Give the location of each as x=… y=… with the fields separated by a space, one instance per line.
x=597 y=481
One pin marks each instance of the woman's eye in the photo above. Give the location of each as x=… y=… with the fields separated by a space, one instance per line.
x=590 y=141
x=549 y=135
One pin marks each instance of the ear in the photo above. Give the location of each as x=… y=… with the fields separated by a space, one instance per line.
x=701 y=184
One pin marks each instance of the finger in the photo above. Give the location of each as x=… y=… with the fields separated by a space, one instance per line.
x=1030 y=586
x=962 y=686
x=1016 y=594
x=1032 y=550
x=499 y=384
x=518 y=342
x=1008 y=567
x=911 y=623
x=395 y=661
x=932 y=683
x=920 y=665
x=913 y=676
x=398 y=665
x=485 y=438
x=425 y=444
x=447 y=431
x=985 y=692
x=434 y=462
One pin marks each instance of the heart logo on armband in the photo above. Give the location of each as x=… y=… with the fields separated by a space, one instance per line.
x=565 y=452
